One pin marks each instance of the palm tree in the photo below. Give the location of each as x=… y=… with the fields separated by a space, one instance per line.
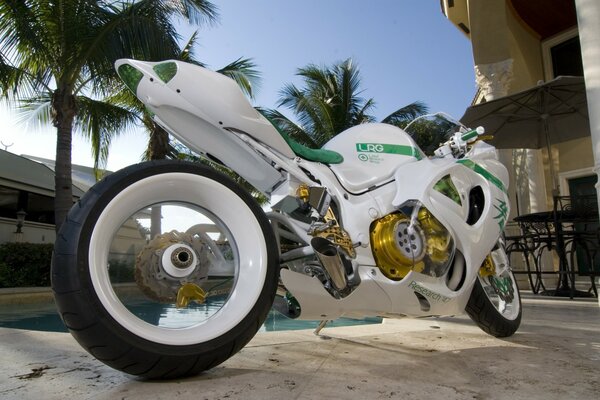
x=330 y=103
x=56 y=57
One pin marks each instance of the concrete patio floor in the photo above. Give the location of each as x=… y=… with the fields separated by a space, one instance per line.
x=554 y=355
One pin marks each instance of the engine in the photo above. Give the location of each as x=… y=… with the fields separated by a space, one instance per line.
x=415 y=242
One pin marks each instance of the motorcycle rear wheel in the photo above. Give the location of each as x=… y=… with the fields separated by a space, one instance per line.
x=495 y=303
x=115 y=291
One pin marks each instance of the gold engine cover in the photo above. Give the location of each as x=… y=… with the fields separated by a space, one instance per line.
x=426 y=246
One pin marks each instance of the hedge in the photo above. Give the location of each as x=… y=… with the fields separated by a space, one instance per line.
x=25 y=264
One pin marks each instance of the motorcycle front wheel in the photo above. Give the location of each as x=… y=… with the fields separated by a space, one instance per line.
x=495 y=303
x=164 y=269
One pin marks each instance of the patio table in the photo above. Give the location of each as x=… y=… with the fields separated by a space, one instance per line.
x=556 y=230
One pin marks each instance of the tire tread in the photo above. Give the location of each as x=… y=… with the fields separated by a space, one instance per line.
x=484 y=314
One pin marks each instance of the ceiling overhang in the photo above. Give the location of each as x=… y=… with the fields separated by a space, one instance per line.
x=546 y=18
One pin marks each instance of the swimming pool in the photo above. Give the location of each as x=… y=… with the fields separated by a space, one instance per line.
x=44 y=317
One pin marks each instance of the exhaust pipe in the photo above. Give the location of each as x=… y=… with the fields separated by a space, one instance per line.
x=330 y=258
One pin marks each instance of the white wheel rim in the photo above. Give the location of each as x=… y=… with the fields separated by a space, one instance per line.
x=219 y=200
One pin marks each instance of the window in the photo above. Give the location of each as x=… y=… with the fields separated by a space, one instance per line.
x=566 y=58
x=562 y=55
x=9 y=199
x=38 y=208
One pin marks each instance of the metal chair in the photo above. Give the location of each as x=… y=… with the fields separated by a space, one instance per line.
x=579 y=237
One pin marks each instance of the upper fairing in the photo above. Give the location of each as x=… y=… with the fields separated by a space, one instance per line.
x=199 y=107
x=210 y=96
x=372 y=152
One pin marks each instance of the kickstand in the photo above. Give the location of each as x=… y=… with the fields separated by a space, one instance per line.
x=320 y=327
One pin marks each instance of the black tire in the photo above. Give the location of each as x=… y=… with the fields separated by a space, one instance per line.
x=497 y=312
x=98 y=328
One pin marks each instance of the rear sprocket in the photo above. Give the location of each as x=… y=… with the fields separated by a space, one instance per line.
x=167 y=262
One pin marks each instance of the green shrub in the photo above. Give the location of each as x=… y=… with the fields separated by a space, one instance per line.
x=25 y=264
x=121 y=271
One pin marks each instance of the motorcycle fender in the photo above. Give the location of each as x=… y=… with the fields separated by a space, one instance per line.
x=368 y=299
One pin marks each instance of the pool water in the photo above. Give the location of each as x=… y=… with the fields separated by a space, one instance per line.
x=44 y=317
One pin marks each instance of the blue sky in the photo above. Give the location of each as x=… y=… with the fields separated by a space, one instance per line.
x=406 y=51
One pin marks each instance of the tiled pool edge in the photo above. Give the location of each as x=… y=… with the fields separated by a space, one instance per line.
x=26 y=295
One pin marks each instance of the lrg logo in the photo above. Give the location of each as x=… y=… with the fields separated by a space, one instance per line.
x=369 y=148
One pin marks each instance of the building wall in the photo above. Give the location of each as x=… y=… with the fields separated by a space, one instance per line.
x=128 y=242
x=526 y=52
x=492 y=24
x=32 y=232
x=575 y=154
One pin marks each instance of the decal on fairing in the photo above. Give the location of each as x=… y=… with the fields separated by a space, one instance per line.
x=483 y=172
x=430 y=294
x=371 y=151
x=502 y=209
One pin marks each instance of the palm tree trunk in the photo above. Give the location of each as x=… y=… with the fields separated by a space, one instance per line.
x=64 y=110
x=158 y=147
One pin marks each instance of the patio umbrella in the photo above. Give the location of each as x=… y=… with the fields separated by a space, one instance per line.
x=549 y=113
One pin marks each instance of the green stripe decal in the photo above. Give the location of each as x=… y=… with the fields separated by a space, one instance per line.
x=389 y=149
x=483 y=172
x=469 y=135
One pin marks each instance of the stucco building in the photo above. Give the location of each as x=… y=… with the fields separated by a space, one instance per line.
x=518 y=43
x=27 y=198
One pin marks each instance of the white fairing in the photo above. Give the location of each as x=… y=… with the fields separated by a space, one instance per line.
x=378 y=295
x=371 y=152
x=197 y=106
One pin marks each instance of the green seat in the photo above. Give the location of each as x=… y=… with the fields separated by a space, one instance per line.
x=317 y=155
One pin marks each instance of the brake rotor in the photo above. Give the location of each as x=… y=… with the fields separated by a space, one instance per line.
x=187 y=262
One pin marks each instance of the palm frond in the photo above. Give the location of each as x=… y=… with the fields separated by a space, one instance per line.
x=197 y=12
x=404 y=115
x=101 y=122
x=18 y=83
x=36 y=111
x=132 y=29
x=187 y=51
x=243 y=71
x=124 y=98
x=23 y=33
x=310 y=110
x=289 y=127
x=330 y=101
x=362 y=116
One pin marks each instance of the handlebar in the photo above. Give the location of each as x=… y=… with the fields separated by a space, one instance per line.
x=467 y=136
x=457 y=145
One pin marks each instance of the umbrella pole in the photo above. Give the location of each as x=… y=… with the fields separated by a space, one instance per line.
x=563 y=285
x=555 y=186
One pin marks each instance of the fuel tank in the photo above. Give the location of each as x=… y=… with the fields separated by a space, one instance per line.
x=372 y=153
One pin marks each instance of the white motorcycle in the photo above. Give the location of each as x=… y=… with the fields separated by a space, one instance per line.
x=165 y=269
